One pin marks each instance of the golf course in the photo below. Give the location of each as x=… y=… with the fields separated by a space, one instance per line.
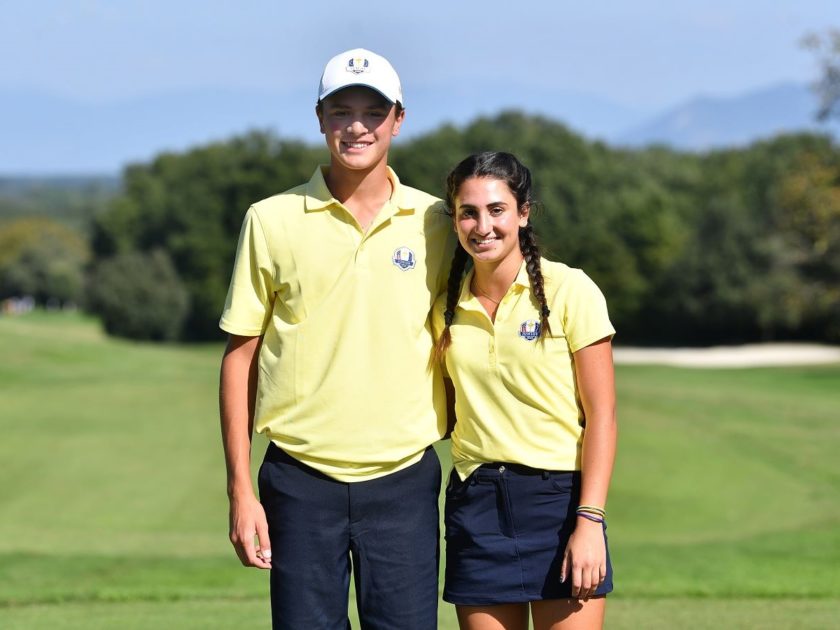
x=724 y=510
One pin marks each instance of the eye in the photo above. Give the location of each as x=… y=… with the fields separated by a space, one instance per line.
x=497 y=210
x=467 y=213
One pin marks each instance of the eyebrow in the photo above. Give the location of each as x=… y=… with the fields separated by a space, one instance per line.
x=492 y=203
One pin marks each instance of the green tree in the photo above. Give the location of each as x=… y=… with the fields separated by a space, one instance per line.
x=826 y=47
x=139 y=295
x=43 y=259
x=191 y=206
x=809 y=196
x=733 y=245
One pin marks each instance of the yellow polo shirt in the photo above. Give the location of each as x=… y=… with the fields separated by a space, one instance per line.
x=515 y=398
x=344 y=315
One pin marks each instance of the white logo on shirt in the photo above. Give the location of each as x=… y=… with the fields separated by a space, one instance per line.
x=404 y=258
x=529 y=329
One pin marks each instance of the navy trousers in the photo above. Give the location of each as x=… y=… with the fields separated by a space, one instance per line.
x=385 y=529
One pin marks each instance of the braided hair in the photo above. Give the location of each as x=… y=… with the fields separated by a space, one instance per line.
x=507 y=168
x=531 y=254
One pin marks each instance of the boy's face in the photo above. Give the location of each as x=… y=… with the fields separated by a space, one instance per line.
x=358 y=124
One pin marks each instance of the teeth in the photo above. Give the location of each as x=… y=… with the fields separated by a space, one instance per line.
x=485 y=241
x=357 y=145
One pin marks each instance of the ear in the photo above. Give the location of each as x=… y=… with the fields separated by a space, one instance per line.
x=319 y=112
x=524 y=213
x=398 y=121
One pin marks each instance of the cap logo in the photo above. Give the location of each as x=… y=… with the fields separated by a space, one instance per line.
x=357 y=65
x=529 y=329
x=404 y=258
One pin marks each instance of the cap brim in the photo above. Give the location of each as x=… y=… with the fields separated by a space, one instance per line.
x=367 y=85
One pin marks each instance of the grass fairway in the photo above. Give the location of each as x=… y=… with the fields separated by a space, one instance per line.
x=724 y=511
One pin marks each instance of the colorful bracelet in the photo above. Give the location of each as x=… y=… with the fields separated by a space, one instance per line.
x=592 y=510
x=590 y=517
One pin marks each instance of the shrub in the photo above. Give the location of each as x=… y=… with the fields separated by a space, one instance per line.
x=139 y=296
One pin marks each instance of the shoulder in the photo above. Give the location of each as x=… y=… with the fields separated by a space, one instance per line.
x=422 y=200
x=431 y=208
x=555 y=274
x=291 y=199
x=565 y=283
x=560 y=274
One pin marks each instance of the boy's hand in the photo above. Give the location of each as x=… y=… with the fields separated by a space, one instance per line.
x=247 y=520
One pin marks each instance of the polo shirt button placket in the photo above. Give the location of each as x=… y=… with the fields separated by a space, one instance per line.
x=493 y=351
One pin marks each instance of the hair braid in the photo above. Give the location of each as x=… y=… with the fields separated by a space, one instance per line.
x=453 y=290
x=531 y=254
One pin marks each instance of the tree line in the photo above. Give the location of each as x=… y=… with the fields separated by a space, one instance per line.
x=728 y=246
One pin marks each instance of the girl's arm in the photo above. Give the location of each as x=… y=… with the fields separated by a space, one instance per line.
x=585 y=556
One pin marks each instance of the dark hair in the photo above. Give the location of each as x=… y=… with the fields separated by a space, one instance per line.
x=507 y=168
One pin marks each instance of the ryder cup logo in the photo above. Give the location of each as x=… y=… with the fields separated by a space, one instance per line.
x=404 y=258
x=529 y=329
x=357 y=65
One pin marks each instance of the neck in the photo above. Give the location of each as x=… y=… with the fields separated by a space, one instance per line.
x=496 y=278
x=360 y=186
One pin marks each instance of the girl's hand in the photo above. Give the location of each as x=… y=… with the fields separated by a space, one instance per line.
x=585 y=559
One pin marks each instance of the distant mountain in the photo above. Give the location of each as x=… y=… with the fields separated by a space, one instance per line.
x=591 y=115
x=42 y=134
x=706 y=123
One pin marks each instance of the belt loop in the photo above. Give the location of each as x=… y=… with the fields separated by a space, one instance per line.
x=546 y=474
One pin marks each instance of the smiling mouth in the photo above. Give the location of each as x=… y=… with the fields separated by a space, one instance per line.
x=356 y=145
x=484 y=241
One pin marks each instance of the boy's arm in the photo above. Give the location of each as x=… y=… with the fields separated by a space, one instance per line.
x=237 y=393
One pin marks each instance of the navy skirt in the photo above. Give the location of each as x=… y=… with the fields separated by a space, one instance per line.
x=507 y=526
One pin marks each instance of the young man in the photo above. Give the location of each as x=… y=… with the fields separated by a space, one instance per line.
x=328 y=352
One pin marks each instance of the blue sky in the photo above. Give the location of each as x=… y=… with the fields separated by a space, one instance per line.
x=87 y=86
x=646 y=54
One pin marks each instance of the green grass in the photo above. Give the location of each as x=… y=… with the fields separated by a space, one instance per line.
x=724 y=508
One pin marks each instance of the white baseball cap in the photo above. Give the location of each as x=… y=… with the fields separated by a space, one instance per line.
x=360 y=67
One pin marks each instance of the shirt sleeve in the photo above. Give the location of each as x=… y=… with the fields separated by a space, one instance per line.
x=445 y=241
x=585 y=319
x=250 y=298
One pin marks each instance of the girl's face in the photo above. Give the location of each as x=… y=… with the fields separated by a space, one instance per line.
x=487 y=221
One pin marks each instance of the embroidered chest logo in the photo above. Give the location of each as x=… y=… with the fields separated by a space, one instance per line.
x=357 y=65
x=404 y=258
x=529 y=329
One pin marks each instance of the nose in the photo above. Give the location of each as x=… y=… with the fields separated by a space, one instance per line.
x=357 y=126
x=483 y=223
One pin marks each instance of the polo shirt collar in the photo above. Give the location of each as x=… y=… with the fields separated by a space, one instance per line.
x=468 y=301
x=319 y=197
x=522 y=278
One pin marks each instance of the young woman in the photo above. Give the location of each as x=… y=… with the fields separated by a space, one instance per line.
x=526 y=344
